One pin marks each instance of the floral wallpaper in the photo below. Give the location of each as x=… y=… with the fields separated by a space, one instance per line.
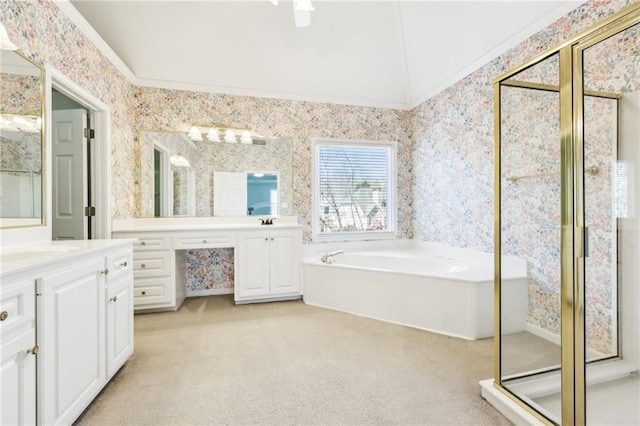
x=209 y=269
x=25 y=94
x=445 y=145
x=47 y=36
x=297 y=121
x=453 y=166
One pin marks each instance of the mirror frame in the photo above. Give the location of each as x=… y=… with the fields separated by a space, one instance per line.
x=12 y=223
x=138 y=135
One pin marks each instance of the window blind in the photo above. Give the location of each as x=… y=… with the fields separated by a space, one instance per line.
x=353 y=188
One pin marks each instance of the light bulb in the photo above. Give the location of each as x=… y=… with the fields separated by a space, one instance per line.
x=213 y=135
x=230 y=136
x=246 y=137
x=195 y=135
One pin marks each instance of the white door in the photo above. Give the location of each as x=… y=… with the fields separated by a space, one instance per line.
x=229 y=194
x=18 y=380
x=253 y=267
x=284 y=261
x=119 y=324
x=71 y=365
x=69 y=185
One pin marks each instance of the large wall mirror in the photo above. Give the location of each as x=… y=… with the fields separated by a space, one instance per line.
x=21 y=141
x=183 y=177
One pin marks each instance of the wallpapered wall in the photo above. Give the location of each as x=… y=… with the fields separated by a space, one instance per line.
x=453 y=169
x=445 y=145
x=47 y=36
x=161 y=109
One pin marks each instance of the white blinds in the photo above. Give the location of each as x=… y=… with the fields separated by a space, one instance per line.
x=353 y=188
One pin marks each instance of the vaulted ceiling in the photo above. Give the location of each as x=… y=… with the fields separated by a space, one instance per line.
x=375 y=53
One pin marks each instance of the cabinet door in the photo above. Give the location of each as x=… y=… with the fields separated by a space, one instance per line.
x=284 y=261
x=18 y=379
x=253 y=265
x=71 y=364
x=119 y=323
x=17 y=362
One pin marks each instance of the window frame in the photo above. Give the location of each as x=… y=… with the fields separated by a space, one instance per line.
x=392 y=212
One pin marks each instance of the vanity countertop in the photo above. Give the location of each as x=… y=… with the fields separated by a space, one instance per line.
x=202 y=224
x=23 y=257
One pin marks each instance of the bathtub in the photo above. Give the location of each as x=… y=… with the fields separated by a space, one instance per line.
x=424 y=285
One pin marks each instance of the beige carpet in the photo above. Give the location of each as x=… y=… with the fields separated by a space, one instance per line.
x=288 y=363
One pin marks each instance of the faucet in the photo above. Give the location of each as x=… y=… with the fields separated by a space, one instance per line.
x=329 y=257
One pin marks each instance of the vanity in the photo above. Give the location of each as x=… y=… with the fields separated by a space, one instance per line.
x=71 y=304
x=266 y=258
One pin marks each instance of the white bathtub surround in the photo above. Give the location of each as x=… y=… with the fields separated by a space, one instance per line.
x=425 y=285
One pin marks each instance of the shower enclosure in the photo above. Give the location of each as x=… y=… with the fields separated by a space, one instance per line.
x=567 y=201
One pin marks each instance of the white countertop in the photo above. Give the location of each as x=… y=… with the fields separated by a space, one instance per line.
x=167 y=224
x=28 y=256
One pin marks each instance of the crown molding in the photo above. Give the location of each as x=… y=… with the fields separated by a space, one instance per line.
x=526 y=32
x=85 y=27
x=258 y=93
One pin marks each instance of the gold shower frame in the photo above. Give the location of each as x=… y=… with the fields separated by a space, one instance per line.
x=573 y=368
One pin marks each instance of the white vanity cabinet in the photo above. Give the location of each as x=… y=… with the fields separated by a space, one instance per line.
x=267 y=259
x=119 y=309
x=62 y=338
x=72 y=338
x=17 y=350
x=269 y=264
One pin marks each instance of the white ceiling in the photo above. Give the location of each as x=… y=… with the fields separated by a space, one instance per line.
x=373 y=53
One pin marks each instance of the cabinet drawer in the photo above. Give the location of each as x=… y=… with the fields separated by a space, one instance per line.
x=151 y=293
x=152 y=243
x=118 y=265
x=210 y=240
x=17 y=307
x=152 y=264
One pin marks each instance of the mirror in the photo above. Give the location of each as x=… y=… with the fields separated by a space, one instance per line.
x=182 y=177
x=21 y=141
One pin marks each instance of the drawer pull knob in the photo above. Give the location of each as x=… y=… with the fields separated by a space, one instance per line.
x=4 y=315
x=34 y=350
x=142 y=243
x=271 y=238
x=143 y=266
x=105 y=272
x=124 y=264
x=114 y=299
x=144 y=292
x=266 y=239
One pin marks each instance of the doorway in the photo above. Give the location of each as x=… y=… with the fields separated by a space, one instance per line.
x=71 y=169
x=90 y=183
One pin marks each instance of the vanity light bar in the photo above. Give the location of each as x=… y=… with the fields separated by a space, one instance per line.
x=229 y=135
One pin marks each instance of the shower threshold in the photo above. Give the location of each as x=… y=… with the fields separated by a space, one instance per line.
x=605 y=380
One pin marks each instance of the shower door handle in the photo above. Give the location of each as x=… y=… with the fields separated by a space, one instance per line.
x=583 y=247
x=585 y=241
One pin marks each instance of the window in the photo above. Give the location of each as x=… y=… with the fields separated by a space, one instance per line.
x=354 y=189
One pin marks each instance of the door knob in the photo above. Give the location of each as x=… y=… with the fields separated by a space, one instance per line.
x=114 y=298
x=144 y=292
x=34 y=350
x=142 y=243
x=143 y=266
x=4 y=315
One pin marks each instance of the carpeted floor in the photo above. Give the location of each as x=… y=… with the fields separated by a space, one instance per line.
x=288 y=363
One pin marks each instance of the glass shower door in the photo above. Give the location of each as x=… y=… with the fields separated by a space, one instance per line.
x=610 y=113
x=530 y=234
